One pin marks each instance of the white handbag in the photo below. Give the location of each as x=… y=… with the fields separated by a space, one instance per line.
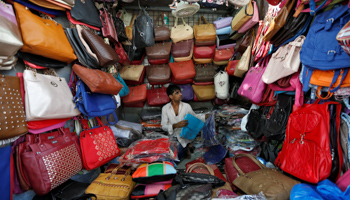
x=47 y=97
x=181 y=32
x=243 y=64
x=284 y=62
x=221 y=85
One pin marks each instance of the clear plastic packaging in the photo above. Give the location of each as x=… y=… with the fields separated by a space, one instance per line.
x=259 y=196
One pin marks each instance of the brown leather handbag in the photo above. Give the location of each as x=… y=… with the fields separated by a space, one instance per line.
x=204 y=32
x=158 y=74
x=204 y=73
x=43 y=37
x=97 y=80
x=182 y=49
x=204 y=92
x=128 y=29
x=159 y=51
x=131 y=72
x=244 y=42
x=183 y=70
x=105 y=53
x=162 y=33
x=136 y=95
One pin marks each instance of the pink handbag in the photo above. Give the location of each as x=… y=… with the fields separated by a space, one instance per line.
x=252 y=86
x=252 y=21
x=108 y=28
x=344 y=181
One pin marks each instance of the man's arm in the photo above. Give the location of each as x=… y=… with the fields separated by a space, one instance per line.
x=166 y=126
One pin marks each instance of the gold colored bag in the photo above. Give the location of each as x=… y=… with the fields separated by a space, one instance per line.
x=128 y=29
x=204 y=92
x=131 y=72
x=242 y=16
x=112 y=186
x=204 y=32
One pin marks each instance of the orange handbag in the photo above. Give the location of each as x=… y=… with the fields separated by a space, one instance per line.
x=43 y=37
x=137 y=94
x=183 y=70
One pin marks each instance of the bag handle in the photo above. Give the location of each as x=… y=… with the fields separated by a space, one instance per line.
x=160 y=17
x=200 y=20
x=198 y=165
x=318 y=93
x=240 y=172
x=183 y=21
x=133 y=19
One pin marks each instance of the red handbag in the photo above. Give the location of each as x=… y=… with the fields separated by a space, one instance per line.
x=203 y=51
x=98 y=146
x=50 y=160
x=157 y=97
x=231 y=67
x=135 y=105
x=181 y=82
x=245 y=164
x=223 y=54
x=138 y=62
x=124 y=59
x=158 y=61
x=108 y=28
x=306 y=152
x=183 y=70
x=140 y=81
x=137 y=94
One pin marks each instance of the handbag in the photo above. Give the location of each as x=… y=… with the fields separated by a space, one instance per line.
x=98 y=146
x=158 y=74
x=222 y=56
x=242 y=16
x=75 y=22
x=162 y=33
x=221 y=82
x=39 y=8
x=50 y=162
x=193 y=127
x=231 y=67
x=11 y=40
x=126 y=17
x=182 y=49
x=244 y=63
x=138 y=82
x=272 y=183
x=137 y=94
x=202 y=60
x=112 y=185
x=53 y=42
x=157 y=96
x=98 y=81
x=222 y=22
x=204 y=92
x=11 y=94
x=252 y=86
x=183 y=70
x=186 y=58
x=143 y=30
x=158 y=61
x=205 y=73
x=252 y=21
x=204 y=32
x=86 y=12
x=123 y=57
x=187 y=92
x=155 y=172
x=224 y=31
x=120 y=28
x=47 y=97
x=159 y=51
x=131 y=72
x=284 y=62
x=149 y=190
x=204 y=43
x=105 y=53
x=108 y=28
x=204 y=51
x=181 y=32
x=181 y=81
x=129 y=28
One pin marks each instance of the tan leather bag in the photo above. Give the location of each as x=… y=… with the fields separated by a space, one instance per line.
x=181 y=32
x=43 y=37
x=202 y=60
x=97 y=80
x=131 y=72
x=204 y=92
x=128 y=29
x=204 y=32
x=243 y=64
x=274 y=184
x=242 y=16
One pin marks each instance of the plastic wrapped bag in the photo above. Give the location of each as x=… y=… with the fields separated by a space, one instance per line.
x=259 y=196
x=209 y=134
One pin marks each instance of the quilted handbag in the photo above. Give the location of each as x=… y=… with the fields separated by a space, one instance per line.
x=154 y=172
x=112 y=185
x=157 y=96
x=183 y=70
x=131 y=72
x=162 y=33
x=85 y=8
x=50 y=42
x=143 y=31
x=252 y=21
x=204 y=92
x=50 y=162
x=204 y=73
x=221 y=82
x=108 y=28
x=271 y=182
x=243 y=15
x=98 y=81
x=204 y=51
x=137 y=94
x=180 y=81
x=204 y=32
x=159 y=51
x=182 y=49
x=187 y=92
x=98 y=146
x=193 y=127
x=181 y=32
x=158 y=74
x=222 y=22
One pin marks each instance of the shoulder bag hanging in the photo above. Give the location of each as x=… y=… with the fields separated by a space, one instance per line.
x=162 y=33
x=204 y=32
x=143 y=30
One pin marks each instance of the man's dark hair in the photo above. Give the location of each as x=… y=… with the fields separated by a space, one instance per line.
x=171 y=89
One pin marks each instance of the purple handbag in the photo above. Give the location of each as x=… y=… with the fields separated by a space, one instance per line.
x=252 y=86
x=187 y=92
x=223 y=22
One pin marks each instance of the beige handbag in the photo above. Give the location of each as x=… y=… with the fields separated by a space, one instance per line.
x=126 y=17
x=274 y=184
x=204 y=92
x=204 y=32
x=180 y=59
x=243 y=64
x=202 y=60
x=131 y=72
x=181 y=32
x=242 y=16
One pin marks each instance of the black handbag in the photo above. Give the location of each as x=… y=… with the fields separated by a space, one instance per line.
x=40 y=60
x=80 y=51
x=120 y=28
x=143 y=30
x=256 y=122
x=85 y=11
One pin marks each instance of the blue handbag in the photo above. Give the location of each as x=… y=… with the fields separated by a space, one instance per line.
x=321 y=50
x=192 y=129
x=125 y=90
x=39 y=8
x=94 y=104
x=5 y=177
x=224 y=31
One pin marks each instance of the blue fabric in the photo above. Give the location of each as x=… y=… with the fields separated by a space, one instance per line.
x=5 y=175
x=284 y=92
x=192 y=129
x=209 y=134
x=224 y=31
x=39 y=8
x=125 y=90
x=215 y=154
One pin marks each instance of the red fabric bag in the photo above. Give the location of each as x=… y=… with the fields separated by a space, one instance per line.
x=137 y=94
x=124 y=59
x=204 y=51
x=183 y=70
x=98 y=146
x=108 y=28
x=181 y=82
x=157 y=96
x=306 y=152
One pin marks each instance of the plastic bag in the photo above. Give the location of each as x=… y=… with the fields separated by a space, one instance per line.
x=259 y=196
x=209 y=134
